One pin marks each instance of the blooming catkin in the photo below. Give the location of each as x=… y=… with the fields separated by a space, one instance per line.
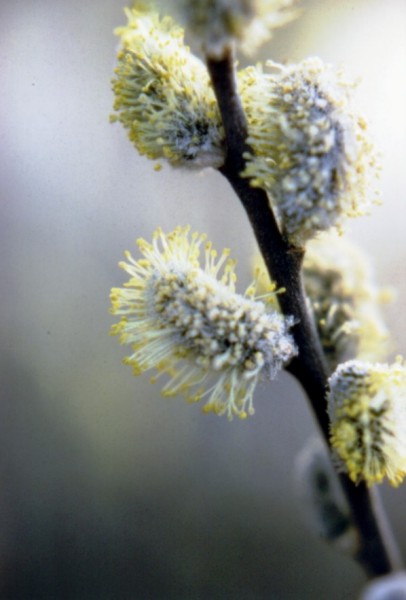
x=218 y=24
x=186 y=320
x=310 y=151
x=163 y=96
x=367 y=409
x=344 y=299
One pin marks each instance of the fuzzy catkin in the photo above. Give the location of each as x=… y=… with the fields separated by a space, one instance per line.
x=185 y=319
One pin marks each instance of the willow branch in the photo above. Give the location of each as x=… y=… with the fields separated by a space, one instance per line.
x=377 y=551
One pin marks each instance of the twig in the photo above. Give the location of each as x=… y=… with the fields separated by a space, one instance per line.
x=377 y=550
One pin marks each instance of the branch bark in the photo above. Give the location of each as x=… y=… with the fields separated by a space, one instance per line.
x=377 y=550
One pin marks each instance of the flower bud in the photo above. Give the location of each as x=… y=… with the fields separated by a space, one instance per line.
x=391 y=587
x=321 y=496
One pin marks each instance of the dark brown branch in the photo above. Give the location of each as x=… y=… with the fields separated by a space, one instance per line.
x=377 y=553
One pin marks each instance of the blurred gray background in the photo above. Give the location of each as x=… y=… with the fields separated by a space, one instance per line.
x=107 y=490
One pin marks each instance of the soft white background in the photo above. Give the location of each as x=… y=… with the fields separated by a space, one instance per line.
x=108 y=490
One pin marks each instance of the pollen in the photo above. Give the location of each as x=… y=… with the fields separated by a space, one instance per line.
x=182 y=316
x=367 y=409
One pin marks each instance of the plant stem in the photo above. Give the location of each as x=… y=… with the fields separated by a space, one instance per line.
x=377 y=550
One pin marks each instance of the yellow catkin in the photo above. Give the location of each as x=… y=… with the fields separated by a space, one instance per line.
x=310 y=150
x=163 y=96
x=181 y=314
x=367 y=409
x=218 y=24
